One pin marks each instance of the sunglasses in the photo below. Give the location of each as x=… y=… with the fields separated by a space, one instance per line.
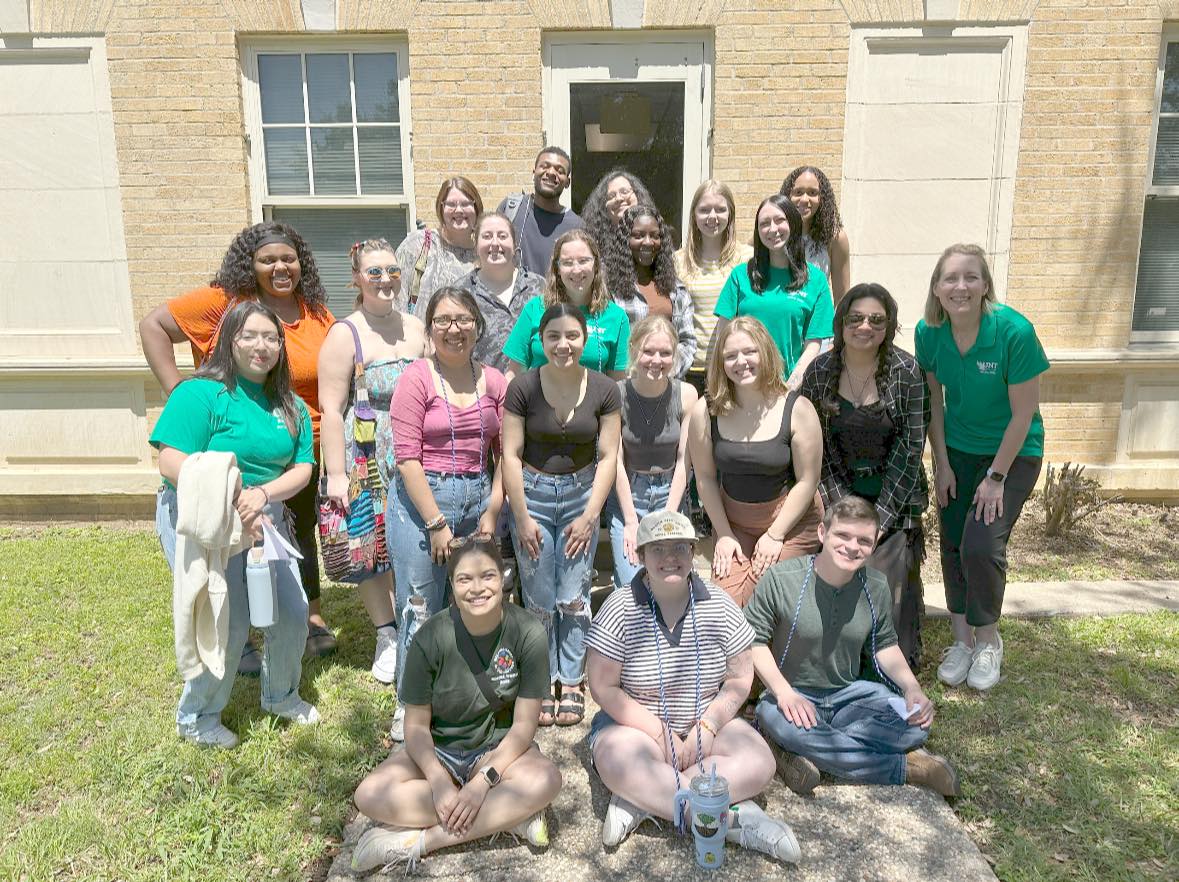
x=875 y=320
x=473 y=539
x=375 y=272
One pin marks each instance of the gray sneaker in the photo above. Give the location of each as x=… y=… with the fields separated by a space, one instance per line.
x=750 y=827
x=622 y=819
x=956 y=661
x=386 y=847
x=397 y=730
x=303 y=713
x=984 y=667
x=218 y=736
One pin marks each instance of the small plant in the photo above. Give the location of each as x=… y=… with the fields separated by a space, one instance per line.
x=1070 y=497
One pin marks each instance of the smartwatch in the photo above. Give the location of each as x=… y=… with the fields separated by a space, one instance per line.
x=997 y=477
x=490 y=774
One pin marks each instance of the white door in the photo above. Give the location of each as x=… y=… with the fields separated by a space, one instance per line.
x=645 y=105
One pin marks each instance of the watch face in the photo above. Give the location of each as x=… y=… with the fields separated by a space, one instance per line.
x=491 y=775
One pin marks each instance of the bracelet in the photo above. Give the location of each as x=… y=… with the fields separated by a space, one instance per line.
x=263 y=489
x=436 y=523
x=706 y=726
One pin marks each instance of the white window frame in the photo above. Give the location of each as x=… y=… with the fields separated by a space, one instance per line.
x=260 y=201
x=1170 y=35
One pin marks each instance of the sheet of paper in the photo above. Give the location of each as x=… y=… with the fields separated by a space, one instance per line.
x=275 y=547
x=898 y=704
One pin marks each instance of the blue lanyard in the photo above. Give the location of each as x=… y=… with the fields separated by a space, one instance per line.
x=453 y=442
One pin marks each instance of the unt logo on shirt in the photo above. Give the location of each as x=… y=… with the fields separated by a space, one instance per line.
x=988 y=367
x=503 y=667
x=279 y=422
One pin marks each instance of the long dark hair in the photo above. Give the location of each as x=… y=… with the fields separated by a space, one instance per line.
x=883 y=354
x=238 y=279
x=596 y=217
x=826 y=221
x=759 y=264
x=221 y=367
x=620 y=262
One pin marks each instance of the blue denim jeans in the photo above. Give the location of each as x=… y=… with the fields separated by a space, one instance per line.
x=649 y=493
x=556 y=588
x=204 y=697
x=462 y=498
x=857 y=736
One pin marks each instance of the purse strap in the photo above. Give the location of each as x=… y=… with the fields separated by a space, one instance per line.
x=466 y=648
x=419 y=270
x=359 y=383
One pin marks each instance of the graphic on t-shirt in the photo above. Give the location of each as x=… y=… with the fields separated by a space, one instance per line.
x=503 y=667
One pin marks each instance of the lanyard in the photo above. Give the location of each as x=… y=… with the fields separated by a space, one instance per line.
x=453 y=442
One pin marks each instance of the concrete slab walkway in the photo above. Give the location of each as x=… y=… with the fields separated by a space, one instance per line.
x=1040 y=599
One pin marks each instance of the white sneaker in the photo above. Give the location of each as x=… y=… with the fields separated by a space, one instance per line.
x=385 y=659
x=956 y=661
x=622 y=819
x=381 y=846
x=397 y=730
x=304 y=713
x=750 y=827
x=534 y=830
x=218 y=736
x=984 y=670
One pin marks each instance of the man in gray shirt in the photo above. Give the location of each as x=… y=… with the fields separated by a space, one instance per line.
x=539 y=217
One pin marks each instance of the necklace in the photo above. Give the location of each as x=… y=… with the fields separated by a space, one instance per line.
x=453 y=441
x=370 y=315
x=638 y=401
x=851 y=379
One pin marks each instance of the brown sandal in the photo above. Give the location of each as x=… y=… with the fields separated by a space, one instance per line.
x=572 y=704
x=548 y=708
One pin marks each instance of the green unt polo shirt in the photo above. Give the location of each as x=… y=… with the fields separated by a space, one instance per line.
x=605 y=350
x=978 y=409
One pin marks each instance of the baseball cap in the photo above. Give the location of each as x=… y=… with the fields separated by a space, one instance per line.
x=660 y=525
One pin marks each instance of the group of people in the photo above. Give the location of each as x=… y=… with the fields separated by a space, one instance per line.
x=514 y=379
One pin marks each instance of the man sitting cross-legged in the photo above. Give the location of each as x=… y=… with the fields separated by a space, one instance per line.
x=669 y=663
x=814 y=619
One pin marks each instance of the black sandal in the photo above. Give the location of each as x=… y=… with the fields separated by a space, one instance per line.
x=548 y=707
x=572 y=703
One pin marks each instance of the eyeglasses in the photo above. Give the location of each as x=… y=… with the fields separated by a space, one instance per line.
x=473 y=539
x=624 y=193
x=875 y=320
x=375 y=272
x=249 y=338
x=443 y=322
x=458 y=206
x=571 y=262
x=675 y=548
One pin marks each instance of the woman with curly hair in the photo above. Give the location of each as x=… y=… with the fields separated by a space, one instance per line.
x=433 y=259
x=640 y=274
x=777 y=286
x=269 y=263
x=824 y=236
x=575 y=277
x=617 y=191
x=873 y=405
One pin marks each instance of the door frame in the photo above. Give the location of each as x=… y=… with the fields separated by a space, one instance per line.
x=697 y=79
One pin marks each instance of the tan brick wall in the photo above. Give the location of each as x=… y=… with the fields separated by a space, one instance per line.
x=1081 y=413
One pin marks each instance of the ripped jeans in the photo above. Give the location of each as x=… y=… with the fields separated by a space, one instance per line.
x=554 y=588
x=462 y=498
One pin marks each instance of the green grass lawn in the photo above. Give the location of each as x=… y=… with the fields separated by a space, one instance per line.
x=1070 y=768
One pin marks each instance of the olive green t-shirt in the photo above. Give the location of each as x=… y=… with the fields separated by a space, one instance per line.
x=517 y=656
x=834 y=624
x=203 y=414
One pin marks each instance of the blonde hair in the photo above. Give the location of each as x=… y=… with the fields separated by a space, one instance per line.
x=644 y=328
x=554 y=289
x=722 y=393
x=694 y=239
x=358 y=249
x=934 y=314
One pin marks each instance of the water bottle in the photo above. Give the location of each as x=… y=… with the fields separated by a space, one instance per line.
x=260 y=589
x=707 y=802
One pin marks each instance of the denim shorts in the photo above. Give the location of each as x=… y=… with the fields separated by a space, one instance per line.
x=461 y=763
x=599 y=724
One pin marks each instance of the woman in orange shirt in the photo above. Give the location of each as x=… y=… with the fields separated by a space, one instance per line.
x=271 y=263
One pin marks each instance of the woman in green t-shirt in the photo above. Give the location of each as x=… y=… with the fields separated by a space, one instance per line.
x=474 y=679
x=983 y=362
x=240 y=401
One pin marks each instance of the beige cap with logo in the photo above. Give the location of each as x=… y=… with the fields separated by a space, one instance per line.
x=661 y=525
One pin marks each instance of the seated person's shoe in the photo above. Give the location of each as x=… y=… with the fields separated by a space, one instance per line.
x=251 y=662
x=381 y=846
x=797 y=772
x=622 y=819
x=534 y=830
x=927 y=769
x=750 y=827
x=956 y=661
x=984 y=668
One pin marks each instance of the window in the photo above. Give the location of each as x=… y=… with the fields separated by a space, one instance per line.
x=1156 y=297
x=328 y=149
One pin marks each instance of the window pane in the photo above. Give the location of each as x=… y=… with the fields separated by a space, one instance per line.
x=1166 y=152
x=1156 y=298
x=280 y=80
x=329 y=98
x=1170 y=103
x=331 y=231
x=376 y=87
x=286 y=161
x=380 y=160
x=333 y=160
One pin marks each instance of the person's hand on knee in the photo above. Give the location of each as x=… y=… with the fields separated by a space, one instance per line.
x=798 y=709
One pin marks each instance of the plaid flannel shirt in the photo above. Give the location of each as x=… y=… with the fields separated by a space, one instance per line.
x=681 y=317
x=905 y=396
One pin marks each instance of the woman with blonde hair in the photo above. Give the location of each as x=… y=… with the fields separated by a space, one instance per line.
x=433 y=259
x=983 y=362
x=652 y=467
x=710 y=253
x=576 y=277
x=756 y=448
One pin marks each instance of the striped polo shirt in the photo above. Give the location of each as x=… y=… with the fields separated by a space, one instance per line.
x=622 y=631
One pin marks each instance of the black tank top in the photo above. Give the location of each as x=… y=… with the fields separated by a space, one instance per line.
x=756 y=471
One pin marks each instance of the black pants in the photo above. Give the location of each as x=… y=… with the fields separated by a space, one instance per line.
x=899 y=557
x=974 y=555
x=305 y=524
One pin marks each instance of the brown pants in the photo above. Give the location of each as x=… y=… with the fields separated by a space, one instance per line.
x=749 y=520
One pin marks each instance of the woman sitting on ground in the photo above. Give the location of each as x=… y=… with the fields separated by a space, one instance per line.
x=652 y=467
x=873 y=405
x=671 y=664
x=473 y=685
x=756 y=449
x=240 y=401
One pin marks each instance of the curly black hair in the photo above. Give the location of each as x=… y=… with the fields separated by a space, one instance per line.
x=238 y=279
x=759 y=264
x=596 y=218
x=855 y=293
x=826 y=223
x=620 y=262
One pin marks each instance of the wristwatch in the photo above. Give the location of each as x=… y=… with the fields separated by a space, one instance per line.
x=490 y=774
x=997 y=477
